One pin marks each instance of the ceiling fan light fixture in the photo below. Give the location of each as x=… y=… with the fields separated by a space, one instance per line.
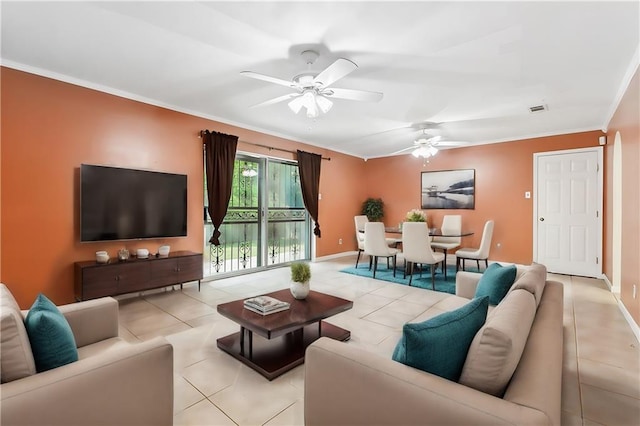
x=421 y=152
x=425 y=151
x=324 y=104
x=296 y=104
x=312 y=111
x=309 y=102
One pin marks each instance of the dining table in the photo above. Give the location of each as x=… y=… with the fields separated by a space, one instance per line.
x=434 y=232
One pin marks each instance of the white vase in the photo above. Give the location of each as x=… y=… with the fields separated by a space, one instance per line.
x=299 y=290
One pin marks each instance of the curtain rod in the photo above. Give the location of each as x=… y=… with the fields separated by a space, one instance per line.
x=270 y=148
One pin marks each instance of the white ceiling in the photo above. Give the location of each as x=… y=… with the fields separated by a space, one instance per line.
x=473 y=67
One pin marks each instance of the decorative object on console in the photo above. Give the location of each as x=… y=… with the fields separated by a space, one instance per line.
x=163 y=251
x=300 y=276
x=102 y=257
x=416 y=215
x=142 y=253
x=448 y=189
x=123 y=254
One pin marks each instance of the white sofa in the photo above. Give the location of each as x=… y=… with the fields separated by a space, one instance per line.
x=112 y=383
x=345 y=385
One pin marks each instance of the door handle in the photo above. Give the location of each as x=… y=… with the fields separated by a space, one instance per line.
x=542 y=219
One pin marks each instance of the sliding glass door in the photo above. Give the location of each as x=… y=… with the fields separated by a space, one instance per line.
x=266 y=223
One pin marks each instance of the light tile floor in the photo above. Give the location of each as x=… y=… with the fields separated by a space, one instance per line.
x=601 y=375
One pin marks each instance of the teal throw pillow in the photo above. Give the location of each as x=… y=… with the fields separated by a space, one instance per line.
x=439 y=345
x=496 y=282
x=50 y=335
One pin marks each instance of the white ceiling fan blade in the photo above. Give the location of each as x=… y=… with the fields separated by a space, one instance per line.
x=354 y=95
x=276 y=100
x=263 y=77
x=444 y=144
x=450 y=143
x=440 y=142
x=427 y=139
x=335 y=72
x=403 y=150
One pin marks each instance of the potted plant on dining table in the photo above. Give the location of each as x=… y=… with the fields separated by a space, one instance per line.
x=416 y=215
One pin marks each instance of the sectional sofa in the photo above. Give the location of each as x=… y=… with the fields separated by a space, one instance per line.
x=512 y=373
x=112 y=382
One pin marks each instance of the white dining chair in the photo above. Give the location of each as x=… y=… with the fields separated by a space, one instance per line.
x=477 y=254
x=416 y=248
x=375 y=245
x=360 y=221
x=451 y=225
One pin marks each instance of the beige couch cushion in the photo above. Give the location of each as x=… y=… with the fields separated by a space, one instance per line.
x=101 y=347
x=16 y=358
x=7 y=299
x=533 y=280
x=497 y=347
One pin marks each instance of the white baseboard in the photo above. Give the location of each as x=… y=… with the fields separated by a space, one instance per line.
x=634 y=327
x=335 y=256
x=625 y=313
x=607 y=282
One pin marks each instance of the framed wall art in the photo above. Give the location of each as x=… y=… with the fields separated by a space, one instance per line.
x=448 y=189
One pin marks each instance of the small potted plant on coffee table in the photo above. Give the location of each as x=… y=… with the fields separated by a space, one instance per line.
x=300 y=276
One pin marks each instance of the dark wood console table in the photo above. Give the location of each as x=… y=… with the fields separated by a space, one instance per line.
x=93 y=280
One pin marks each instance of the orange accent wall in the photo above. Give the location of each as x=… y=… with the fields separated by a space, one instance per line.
x=503 y=171
x=626 y=120
x=49 y=128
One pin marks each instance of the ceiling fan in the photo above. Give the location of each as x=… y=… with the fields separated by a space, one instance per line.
x=313 y=90
x=427 y=145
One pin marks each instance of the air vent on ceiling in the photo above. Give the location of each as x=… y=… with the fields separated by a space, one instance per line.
x=537 y=108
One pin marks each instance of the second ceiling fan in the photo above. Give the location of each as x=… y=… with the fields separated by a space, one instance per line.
x=313 y=90
x=427 y=145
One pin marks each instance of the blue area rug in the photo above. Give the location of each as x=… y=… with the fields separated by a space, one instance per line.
x=382 y=273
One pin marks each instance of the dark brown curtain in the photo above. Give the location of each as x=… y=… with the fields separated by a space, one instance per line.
x=220 y=154
x=309 y=168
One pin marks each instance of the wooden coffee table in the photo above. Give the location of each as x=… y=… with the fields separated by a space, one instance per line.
x=283 y=336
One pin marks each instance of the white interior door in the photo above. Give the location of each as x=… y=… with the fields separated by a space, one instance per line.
x=568 y=211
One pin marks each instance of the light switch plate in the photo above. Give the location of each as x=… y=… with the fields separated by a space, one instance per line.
x=527 y=194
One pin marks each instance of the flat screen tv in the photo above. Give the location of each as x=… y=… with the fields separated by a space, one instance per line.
x=128 y=204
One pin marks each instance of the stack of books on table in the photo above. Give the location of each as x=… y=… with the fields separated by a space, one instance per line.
x=265 y=305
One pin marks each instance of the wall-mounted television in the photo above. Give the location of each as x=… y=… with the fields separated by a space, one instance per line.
x=127 y=204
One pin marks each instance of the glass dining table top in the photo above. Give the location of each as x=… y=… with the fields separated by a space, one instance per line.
x=434 y=232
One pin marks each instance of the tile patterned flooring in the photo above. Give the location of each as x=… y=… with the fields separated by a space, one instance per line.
x=601 y=374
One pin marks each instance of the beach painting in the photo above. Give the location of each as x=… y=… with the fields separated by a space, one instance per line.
x=448 y=189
